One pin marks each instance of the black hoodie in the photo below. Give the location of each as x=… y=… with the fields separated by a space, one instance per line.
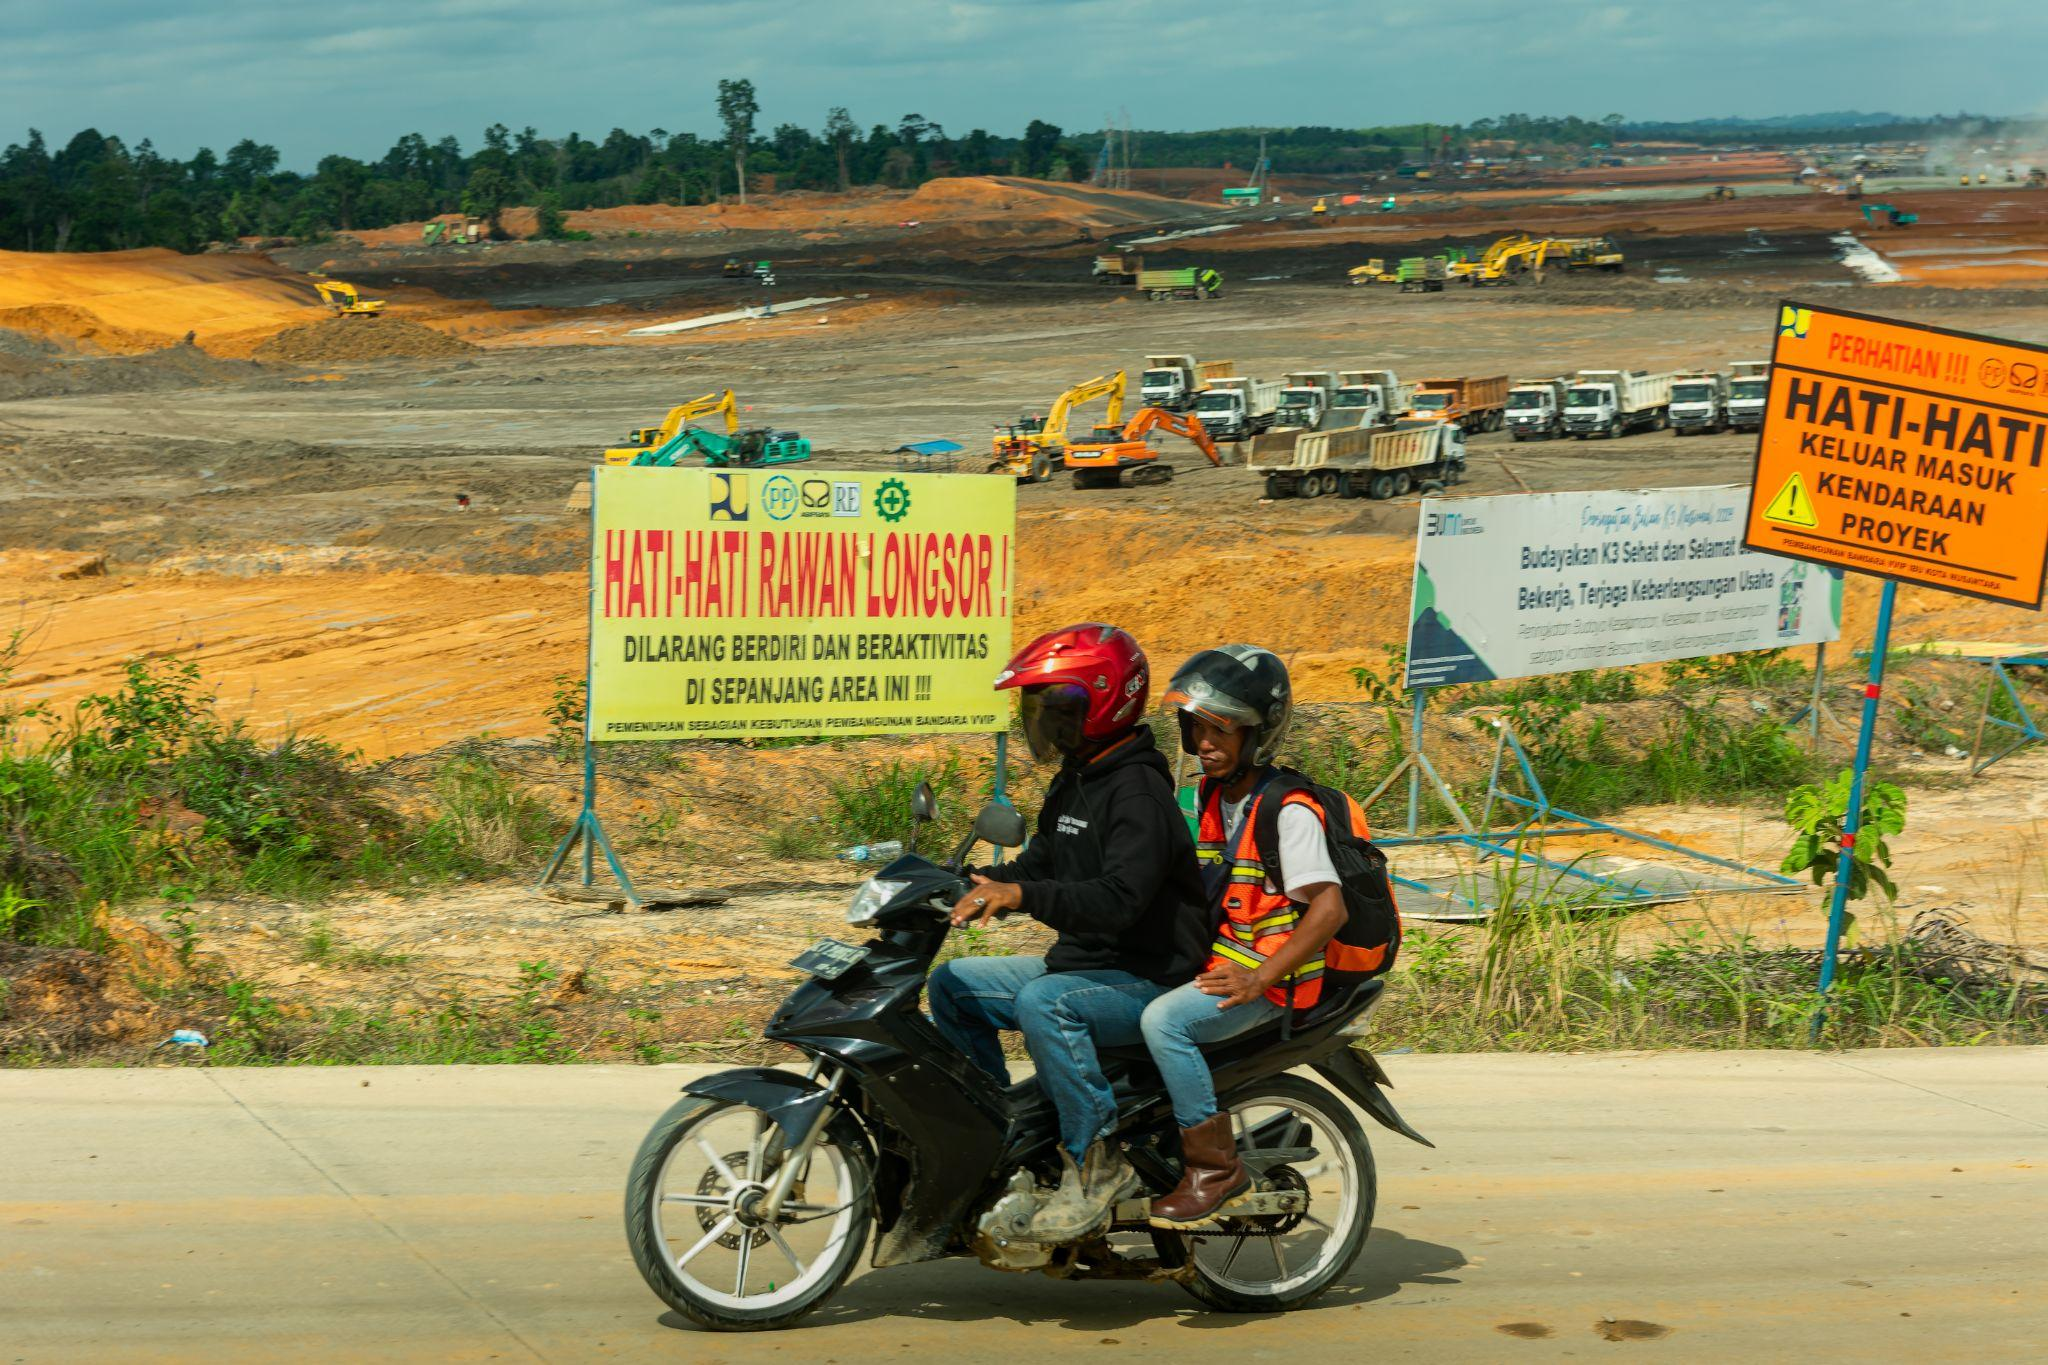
x=1112 y=870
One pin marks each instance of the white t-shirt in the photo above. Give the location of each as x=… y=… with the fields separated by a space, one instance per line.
x=1304 y=849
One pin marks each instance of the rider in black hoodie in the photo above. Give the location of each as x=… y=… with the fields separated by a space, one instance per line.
x=1112 y=872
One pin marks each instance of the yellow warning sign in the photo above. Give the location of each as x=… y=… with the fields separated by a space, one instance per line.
x=1792 y=506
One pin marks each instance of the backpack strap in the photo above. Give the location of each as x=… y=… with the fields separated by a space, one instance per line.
x=1279 y=784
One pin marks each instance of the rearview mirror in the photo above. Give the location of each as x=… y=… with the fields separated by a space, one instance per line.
x=923 y=805
x=1000 y=824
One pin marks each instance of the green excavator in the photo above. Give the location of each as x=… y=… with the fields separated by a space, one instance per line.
x=750 y=449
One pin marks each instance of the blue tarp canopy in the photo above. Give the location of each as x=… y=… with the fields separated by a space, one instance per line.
x=929 y=448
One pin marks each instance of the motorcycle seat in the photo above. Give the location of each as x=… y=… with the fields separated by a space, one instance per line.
x=1349 y=999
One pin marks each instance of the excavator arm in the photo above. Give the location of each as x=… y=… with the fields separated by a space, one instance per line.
x=673 y=425
x=1179 y=423
x=1110 y=385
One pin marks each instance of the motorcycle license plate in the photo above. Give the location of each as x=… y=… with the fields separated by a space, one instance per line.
x=828 y=960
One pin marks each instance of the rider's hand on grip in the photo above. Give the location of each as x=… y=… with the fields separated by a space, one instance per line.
x=987 y=900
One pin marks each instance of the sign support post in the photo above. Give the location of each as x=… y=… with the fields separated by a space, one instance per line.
x=1852 y=819
x=1415 y=771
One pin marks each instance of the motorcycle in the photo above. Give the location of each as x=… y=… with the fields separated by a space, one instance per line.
x=753 y=1196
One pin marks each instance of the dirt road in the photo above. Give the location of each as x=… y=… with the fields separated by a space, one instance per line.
x=1739 y=1205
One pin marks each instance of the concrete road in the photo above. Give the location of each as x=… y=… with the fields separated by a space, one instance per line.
x=1767 y=1206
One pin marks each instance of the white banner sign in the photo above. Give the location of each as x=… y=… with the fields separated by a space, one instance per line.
x=1507 y=587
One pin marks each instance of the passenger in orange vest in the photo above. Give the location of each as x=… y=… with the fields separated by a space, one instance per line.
x=1234 y=704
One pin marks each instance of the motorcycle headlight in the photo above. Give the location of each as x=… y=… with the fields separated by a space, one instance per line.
x=874 y=893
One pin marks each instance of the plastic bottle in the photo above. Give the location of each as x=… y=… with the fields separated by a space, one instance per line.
x=887 y=851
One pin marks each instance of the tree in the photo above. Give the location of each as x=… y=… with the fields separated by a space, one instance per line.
x=839 y=131
x=549 y=220
x=1041 y=140
x=344 y=179
x=490 y=190
x=736 y=110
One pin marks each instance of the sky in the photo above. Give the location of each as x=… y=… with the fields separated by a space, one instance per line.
x=352 y=76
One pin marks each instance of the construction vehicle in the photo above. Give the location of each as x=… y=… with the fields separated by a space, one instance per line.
x=441 y=230
x=1887 y=215
x=1305 y=399
x=643 y=439
x=1592 y=253
x=1029 y=448
x=1472 y=405
x=1749 y=384
x=1189 y=282
x=1535 y=409
x=346 y=300
x=1374 y=271
x=1119 y=267
x=1360 y=463
x=1368 y=398
x=1699 y=402
x=1423 y=274
x=1234 y=407
x=1720 y=192
x=1173 y=381
x=735 y=268
x=1509 y=258
x=1321 y=209
x=1616 y=402
x=1112 y=458
x=750 y=449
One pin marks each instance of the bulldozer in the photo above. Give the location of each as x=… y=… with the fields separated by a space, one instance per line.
x=1028 y=448
x=1374 y=271
x=644 y=439
x=346 y=300
x=1592 y=253
x=1112 y=458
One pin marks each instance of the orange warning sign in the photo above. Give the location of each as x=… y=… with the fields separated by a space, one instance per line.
x=1908 y=452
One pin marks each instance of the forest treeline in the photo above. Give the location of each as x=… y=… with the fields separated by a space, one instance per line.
x=98 y=193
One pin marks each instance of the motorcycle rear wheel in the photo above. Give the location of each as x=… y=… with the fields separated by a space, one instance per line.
x=1272 y=1263
x=690 y=1225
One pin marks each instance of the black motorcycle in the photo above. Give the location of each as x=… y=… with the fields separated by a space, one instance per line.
x=752 y=1197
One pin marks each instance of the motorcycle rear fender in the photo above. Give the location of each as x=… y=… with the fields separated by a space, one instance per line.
x=790 y=1101
x=1357 y=1073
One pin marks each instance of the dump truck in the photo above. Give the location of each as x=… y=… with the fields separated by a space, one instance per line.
x=1305 y=398
x=1749 y=384
x=1422 y=274
x=1368 y=398
x=1192 y=282
x=1362 y=463
x=1535 y=409
x=1615 y=402
x=1173 y=381
x=1234 y=407
x=1474 y=404
x=1119 y=267
x=1699 y=402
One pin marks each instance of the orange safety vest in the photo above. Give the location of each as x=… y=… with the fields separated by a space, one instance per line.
x=1255 y=921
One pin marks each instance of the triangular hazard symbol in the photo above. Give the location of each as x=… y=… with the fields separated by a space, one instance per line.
x=1792 y=507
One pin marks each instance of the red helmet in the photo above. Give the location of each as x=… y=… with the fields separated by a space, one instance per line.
x=1081 y=683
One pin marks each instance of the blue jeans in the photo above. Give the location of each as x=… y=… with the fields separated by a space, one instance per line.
x=1063 y=1016
x=1176 y=1024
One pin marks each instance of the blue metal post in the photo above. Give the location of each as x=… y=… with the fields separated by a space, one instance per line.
x=1880 y=645
x=1415 y=759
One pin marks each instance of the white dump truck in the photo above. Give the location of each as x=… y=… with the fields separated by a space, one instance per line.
x=1305 y=398
x=1173 y=381
x=1699 y=402
x=1536 y=409
x=1235 y=407
x=1749 y=384
x=1358 y=462
x=1614 y=402
x=1368 y=398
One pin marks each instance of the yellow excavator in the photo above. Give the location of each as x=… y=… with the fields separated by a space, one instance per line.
x=346 y=300
x=1591 y=253
x=1514 y=256
x=1029 y=448
x=644 y=439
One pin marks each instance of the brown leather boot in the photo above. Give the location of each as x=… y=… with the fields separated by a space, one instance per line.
x=1211 y=1176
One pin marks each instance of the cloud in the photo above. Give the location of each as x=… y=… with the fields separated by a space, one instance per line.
x=354 y=75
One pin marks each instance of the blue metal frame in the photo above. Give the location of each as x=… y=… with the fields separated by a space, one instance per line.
x=1538 y=824
x=2025 y=727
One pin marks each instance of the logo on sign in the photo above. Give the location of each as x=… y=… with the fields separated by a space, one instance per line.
x=817 y=497
x=1793 y=322
x=779 y=498
x=1451 y=524
x=728 y=497
x=846 y=498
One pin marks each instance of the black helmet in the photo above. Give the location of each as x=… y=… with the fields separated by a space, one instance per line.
x=1241 y=686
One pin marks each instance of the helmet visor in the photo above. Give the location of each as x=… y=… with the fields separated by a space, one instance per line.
x=1055 y=718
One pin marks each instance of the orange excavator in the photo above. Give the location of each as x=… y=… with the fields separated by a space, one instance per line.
x=1110 y=458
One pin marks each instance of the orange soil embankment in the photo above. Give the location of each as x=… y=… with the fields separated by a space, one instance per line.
x=400 y=662
x=139 y=300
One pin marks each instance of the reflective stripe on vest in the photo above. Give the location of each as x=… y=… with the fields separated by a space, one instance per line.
x=1256 y=922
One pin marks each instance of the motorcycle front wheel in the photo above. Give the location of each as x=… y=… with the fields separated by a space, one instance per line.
x=695 y=1223
x=1303 y=1138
